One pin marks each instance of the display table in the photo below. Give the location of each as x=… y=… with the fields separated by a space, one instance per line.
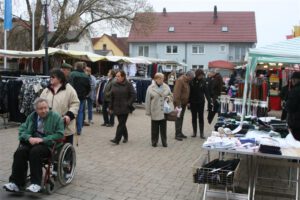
x=255 y=158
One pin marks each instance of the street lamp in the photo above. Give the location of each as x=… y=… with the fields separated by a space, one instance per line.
x=46 y=60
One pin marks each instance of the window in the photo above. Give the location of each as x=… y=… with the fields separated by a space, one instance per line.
x=171 y=49
x=198 y=49
x=197 y=66
x=224 y=29
x=144 y=51
x=171 y=29
x=104 y=47
x=222 y=48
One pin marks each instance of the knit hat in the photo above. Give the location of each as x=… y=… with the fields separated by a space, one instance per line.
x=67 y=66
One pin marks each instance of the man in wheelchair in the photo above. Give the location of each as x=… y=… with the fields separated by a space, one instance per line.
x=37 y=136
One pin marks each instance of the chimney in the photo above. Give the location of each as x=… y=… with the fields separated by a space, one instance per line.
x=164 y=11
x=215 y=14
x=114 y=35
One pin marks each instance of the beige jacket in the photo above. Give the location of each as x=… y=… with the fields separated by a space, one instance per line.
x=154 y=102
x=65 y=102
x=181 y=91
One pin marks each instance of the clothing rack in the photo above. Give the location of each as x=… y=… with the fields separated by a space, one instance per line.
x=139 y=78
x=5 y=115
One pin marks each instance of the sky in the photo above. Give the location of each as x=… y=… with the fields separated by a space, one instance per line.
x=274 y=18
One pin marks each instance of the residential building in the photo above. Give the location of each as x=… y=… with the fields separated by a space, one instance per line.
x=111 y=45
x=195 y=38
x=83 y=43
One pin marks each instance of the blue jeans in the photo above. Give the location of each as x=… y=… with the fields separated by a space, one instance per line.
x=90 y=108
x=79 y=121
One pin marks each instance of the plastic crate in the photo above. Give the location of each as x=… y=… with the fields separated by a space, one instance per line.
x=216 y=172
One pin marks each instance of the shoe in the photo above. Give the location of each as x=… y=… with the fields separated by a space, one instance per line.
x=154 y=145
x=108 y=125
x=103 y=124
x=202 y=137
x=11 y=187
x=125 y=140
x=178 y=138
x=34 y=188
x=114 y=141
x=86 y=124
x=183 y=136
x=78 y=133
x=91 y=122
x=194 y=135
x=165 y=145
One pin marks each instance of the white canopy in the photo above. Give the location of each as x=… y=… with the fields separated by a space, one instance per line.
x=83 y=56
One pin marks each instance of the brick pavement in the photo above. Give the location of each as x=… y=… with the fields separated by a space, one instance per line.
x=132 y=171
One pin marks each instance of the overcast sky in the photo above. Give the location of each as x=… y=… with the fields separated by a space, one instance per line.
x=274 y=18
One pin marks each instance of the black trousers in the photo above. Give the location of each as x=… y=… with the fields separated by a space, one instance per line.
x=179 y=122
x=121 y=128
x=159 y=126
x=35 y=155
x=108 y=118
x=197 y=110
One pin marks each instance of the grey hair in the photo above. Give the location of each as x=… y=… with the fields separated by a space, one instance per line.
x=38 y=101
x=190 y=74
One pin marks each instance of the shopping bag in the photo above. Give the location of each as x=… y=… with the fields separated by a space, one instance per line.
x=171 y=116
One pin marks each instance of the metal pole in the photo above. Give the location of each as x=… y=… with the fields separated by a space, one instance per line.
x=5 y=47
x=33 y=32
x=46 y=67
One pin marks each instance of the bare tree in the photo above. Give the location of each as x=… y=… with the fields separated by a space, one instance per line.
x=80 y=15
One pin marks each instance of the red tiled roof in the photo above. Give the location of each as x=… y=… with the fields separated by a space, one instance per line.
x=221 y=64
x=198 y=27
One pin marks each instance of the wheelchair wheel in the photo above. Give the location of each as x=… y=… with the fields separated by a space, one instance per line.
x=50 y=186
x=66 y=164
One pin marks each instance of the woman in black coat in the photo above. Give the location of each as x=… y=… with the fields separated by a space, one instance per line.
x=198 y=89
x=122 y=97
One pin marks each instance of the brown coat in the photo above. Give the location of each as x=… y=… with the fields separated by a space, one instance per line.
x=122 y=97
x=181 y=91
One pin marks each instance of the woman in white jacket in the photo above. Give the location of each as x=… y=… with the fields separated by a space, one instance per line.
x=156 y=94
x=63 y=99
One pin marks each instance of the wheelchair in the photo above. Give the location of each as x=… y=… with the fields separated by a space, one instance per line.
x=59 y=168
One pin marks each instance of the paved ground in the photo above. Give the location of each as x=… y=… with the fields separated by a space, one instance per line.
x=132 y=171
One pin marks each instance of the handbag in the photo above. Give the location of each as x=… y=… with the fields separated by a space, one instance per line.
x=171 y=116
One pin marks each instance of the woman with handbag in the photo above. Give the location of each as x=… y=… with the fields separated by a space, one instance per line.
x=158 y=94
x=122 y=97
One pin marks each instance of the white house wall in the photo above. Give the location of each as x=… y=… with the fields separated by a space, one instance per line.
x=184 y=55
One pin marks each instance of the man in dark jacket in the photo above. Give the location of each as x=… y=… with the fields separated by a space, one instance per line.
x=109 y=118
x=36 y=135
x=81 y=83
x=198 y=89
x=293 y=106
x=181 y=99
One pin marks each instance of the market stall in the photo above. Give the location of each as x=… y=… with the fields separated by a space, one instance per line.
x=264 y=140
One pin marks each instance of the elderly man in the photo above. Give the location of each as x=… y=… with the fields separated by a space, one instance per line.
x=37 y=136
x=293 y=106
x=66 y=69
x=181 y=99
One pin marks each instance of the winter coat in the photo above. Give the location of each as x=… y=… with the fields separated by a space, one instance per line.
x=199 y=89
x=181 y=91
x=107 y=90
x=65 y=102
x=122 y=97
x=81 y=83
x=293 y=109
x=53 y=128
x=155 y=98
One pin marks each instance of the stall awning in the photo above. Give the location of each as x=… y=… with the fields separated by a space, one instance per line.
x=221 y=64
